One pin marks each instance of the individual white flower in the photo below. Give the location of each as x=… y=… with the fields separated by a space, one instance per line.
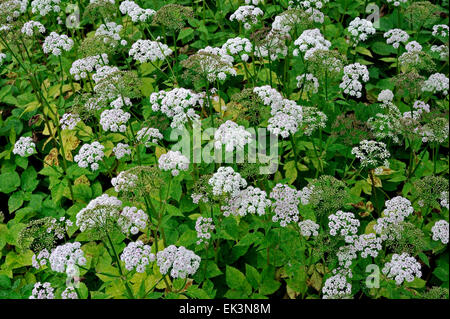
x=248 y=15
x=90 y=155
x=360 y=29
x=310 y=41
x=55 y=44
x=251 y=200
x=204 y=227
x=351 y=80
x=238 y=46
x=136 y=13
x=146 y=50
x=173 y=162
x=343 y=224
x=397 y=3
x=114 y=120
x=137 y=256
x=125 y=181
x=2 y=58
x=232 y=135
x=395 y=37
x=226 y=181
x=69 y=293
x=42 y=291
x=286 y=204
x=372 y=153
x=308 y=228
x=24 y=146
x=181 y=261
x=440 y=30
x=131 y=220
x=440 y=231
x=44 y=7
x=336 y=287
x=69 y=120
x=97 y=213
x=121 y=150
x=32 y=27
x=177 y=104
x=82 y=67
x=148 y=136
x=67 y=255
x=437 y=82
x=402 y=268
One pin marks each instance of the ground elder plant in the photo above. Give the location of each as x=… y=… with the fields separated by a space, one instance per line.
x=224 y=149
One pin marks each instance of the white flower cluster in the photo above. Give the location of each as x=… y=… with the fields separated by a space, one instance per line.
x=44 y=7
x=397 y=209
x=360 y=29
x=12 y=9
x=437 y=82
x=309 y=82
x=184 y=262
x=124 y=182
x=232 y=135
x=312 y=120
x=248 y=15
x=310 y=41
x=55 y=44
x=312 y=7
x=251 y=200
x=286 y=114
x=69 y=293
x=440 y=231
x=308 y=228
x=305 y=193
x=440 y=30
x=135 y=12
x=351 y=80
x=238 y=46
x=284 y=22
x=343 y=224
x=110 y=33
x=217 y=69
x=148 y=135
x=114 y=120
x=69 y=120
x=173 y=162
x=397 y=3
x=253 y=2
x=177 y=104
x=197 y=197
x=121 y=102
x=226 y=181
x=24 y=146
x=419 y=107
x=386 y=97
x=137 y=256
x=367 y=244
x=273 y=46
x=372 y=153
x=444 y=199
x=121 y=150
x=59 y=227
x=131 y=220
x=89 y=155
x=402 y=267
x=42 y=291
x=442 y=50
x=203 y=227
x=65 y=256
x=2 y=57
x=81 y=67
x=146 y=50
x=32 y=27
x=395 y=37
x=98 y=211
x=286 y=203
x=336 y=287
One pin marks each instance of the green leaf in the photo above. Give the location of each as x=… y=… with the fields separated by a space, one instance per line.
x=253 y=276
x=29 y=179
x=15 y=201
x=237 y=281
x=9 y=182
